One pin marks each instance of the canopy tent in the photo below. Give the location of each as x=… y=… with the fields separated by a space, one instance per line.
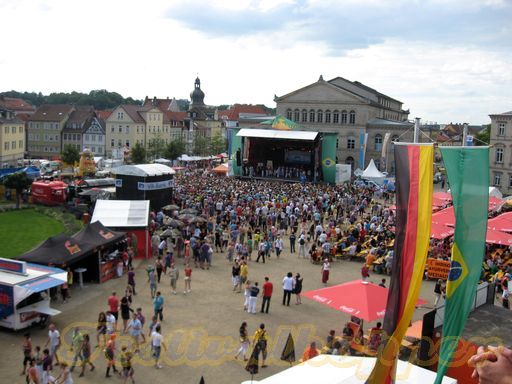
x=221 y=169
x=331 y=369
x=281 y=123
x=372 y=173
x=495 y=192
x=495 y=203
x=144 y=170
x=498 y=237
x=502 y=222
x=441 y=231
x=95 y=234
x=57 y=250
x=163 y=161
x=277 y=134
x=358 y=298
x=442 y=196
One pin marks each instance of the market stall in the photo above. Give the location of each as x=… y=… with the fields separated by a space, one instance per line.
x=130 y=216
x=24 y=293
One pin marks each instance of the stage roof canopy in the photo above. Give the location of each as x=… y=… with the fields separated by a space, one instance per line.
x=275 y=134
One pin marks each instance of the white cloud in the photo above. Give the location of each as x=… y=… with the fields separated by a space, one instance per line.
x=142 y=49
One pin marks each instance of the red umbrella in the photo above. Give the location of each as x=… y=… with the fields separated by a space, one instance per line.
x=498 y=237
x=441 y=231
x=358 y=298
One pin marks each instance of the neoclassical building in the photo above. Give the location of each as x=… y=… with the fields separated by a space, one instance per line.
x=349 y=108
x=501 y=152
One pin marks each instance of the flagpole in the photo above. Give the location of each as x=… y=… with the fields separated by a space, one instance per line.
x=464 y=134
x=416 y=129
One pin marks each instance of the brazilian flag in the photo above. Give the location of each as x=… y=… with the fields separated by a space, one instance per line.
x=468 y=174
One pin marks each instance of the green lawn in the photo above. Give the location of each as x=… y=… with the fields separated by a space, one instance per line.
x=22 y=230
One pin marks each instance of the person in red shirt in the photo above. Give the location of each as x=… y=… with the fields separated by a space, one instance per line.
x=113 y=304
x=267 y=294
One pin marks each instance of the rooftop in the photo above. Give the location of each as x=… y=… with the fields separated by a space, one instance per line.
x=52 y=112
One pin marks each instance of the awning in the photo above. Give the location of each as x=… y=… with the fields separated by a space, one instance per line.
x=441 y=231
x=275 y=134
x=42 y=284
x=41 y=307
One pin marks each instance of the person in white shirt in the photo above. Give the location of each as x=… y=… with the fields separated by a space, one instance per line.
x=278 y=244
x=111 y=323
x=54 y=341
x=288 y=285
x=157 y=343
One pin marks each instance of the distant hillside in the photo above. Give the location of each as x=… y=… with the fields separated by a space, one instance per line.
x=100 y=99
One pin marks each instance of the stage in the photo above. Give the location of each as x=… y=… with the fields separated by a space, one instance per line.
x=284 y=155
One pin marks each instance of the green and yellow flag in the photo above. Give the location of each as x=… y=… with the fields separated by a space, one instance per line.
x=468 y=174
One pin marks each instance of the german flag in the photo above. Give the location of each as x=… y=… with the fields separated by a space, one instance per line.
x=414 y=186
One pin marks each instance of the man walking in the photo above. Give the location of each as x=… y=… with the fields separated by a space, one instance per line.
x=76 y=346
x=267 y=294
x=278 y=245
x=54 y=341
x=158 y=305
x=288 y=283
x=174 y=274
x=302 y=246
x=292 y=242
x=254 y=291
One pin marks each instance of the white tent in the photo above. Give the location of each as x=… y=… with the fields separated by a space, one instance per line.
x=329 y=369
x=372 y=173
x=121 y=213
x=493 y=191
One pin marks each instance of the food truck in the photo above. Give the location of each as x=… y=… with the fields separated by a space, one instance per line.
x=25 y=293
x=49 y=192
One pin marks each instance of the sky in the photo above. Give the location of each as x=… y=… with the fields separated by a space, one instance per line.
x=446 y=60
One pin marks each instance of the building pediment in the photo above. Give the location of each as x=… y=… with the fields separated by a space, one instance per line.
x=320 y=91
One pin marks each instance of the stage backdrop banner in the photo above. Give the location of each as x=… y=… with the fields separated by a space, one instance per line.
x=329 y=157
x=236 y=144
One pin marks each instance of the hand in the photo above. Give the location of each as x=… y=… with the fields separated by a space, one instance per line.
x=492 y=366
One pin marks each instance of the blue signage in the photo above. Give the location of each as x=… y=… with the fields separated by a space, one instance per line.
x=6 y=301
x=13 y=266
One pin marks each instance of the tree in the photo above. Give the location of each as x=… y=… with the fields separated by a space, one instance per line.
x=70 y=154
x=175 y=149
x=218 y=144
x=138 y=154
x=201 y=145
x=156 y=147
x=484 y=136
x=17 y=181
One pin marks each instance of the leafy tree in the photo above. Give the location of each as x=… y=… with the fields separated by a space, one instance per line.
x=183 y=104
x=174 y=149
x=484 y=136
x=17 y=181
x=70 y=154
x=156 y=147
x=138 y=154
x=218 y=144
x=201 y=145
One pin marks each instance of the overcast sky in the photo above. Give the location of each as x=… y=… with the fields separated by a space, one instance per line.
x=447 y=60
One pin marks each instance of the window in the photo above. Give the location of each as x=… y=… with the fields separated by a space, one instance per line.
x=352 y=117
x=327 y=116
x=378 y=142
x=20 y=144
x=501 y=129
x=128 y=143
x=499 y=155
x=93 y=149
x=336 y=117
x=78 y=136
x=343 y=117
x=319 y=116
x=304 y=116
x=13 y=129
x=127 y=129
x=497 y=179
x=350 y=160
x=112 y=143
x=13 y=145
x=120 y=115
x=6 y=145
x=296 y=115
x=112 y=129
x=86 y=137
x=311 y=116
x=119 y=143
x=120 y=129
x=351 y=143
x=64 y=136
x=21 y=129
x=289 y=114
x=6 y=129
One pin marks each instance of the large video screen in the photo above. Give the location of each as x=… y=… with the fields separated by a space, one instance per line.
x=297 y=157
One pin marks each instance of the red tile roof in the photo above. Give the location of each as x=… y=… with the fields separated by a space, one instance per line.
x=133 y=111
x=52 y=112
x=176 y=116
x=234 y=112
x=104 y=114
x=16 y=104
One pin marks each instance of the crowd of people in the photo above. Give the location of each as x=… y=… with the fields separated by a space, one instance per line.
x=246 y=222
